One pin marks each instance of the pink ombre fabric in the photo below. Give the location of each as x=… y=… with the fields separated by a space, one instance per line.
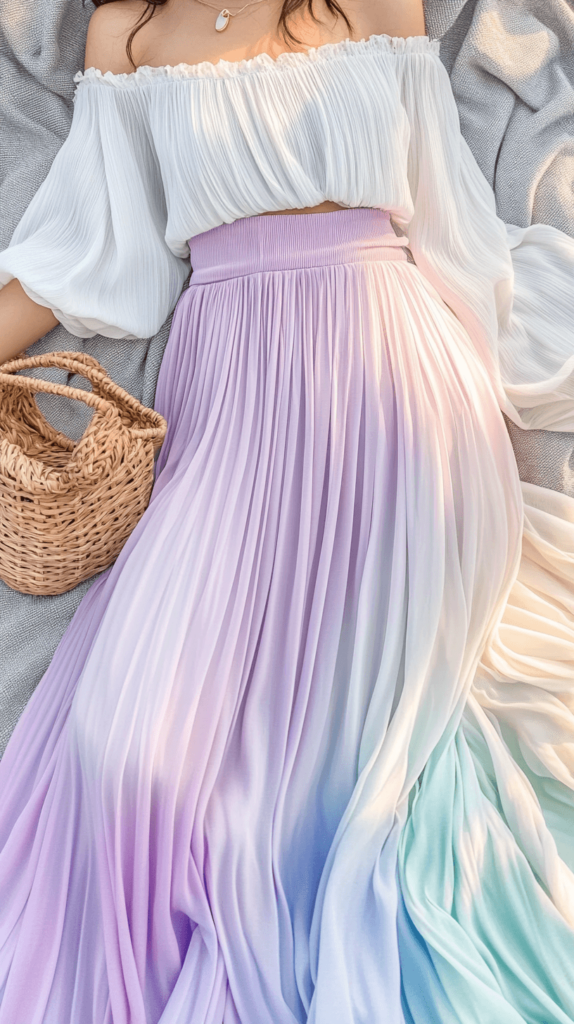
x=202 y=802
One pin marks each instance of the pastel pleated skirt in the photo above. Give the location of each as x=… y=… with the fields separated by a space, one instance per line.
x=303 y=753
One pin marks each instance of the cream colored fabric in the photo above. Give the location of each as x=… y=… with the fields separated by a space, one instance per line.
x=523 y=695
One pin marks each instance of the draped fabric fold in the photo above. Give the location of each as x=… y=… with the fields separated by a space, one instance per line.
x=510 y=287
x=96 y=227
x=485 y=862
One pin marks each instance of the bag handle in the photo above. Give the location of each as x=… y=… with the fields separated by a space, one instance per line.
x=33 y=385
x=86 y=366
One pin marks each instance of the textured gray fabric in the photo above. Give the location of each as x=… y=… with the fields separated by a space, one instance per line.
x=441 y=15
x=511 y=64
x=512 y=68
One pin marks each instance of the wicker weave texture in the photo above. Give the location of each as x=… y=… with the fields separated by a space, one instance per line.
x=67 y=508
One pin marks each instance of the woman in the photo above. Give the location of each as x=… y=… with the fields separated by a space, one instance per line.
x=304 y=753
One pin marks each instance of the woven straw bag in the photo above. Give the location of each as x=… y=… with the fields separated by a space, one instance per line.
x=66 y=507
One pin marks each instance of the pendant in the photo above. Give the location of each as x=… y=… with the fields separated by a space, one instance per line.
x=222 y=20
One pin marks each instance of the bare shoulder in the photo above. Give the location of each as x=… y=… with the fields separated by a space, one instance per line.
x=390 y=17
x=414 y=15
x=108 y=32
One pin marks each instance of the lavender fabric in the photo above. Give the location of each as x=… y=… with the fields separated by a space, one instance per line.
x=485 y=46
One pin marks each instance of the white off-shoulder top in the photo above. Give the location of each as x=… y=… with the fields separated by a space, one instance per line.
x=160 y=155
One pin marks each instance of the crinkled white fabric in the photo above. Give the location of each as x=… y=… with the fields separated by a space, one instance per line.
x=155 y=157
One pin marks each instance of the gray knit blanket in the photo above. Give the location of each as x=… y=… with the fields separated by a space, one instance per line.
x=511 y=64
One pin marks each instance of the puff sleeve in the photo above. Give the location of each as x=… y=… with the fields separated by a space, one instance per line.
x=91 y=244
x=511 y=288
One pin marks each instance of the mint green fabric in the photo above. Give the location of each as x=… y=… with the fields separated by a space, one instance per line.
x=493 y=939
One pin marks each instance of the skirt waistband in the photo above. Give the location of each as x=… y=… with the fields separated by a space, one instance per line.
x=253 y=245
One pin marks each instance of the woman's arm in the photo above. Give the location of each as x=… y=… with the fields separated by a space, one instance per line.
x=22 y=321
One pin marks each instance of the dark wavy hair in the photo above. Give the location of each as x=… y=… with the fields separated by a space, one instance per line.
x=289 y=8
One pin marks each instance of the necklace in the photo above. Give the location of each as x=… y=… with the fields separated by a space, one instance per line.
x=222 y=20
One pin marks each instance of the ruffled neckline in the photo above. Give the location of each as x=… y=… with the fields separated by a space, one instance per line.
x=263 y=62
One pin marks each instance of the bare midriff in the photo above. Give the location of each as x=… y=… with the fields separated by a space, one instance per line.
x=326 y=207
